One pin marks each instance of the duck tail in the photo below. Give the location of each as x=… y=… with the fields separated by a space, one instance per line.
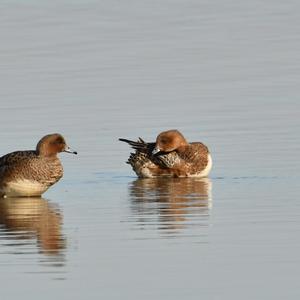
x=139 y=145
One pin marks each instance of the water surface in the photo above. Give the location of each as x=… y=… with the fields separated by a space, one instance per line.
x=225 y=73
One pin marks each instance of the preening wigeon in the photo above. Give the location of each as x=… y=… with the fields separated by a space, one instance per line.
x=32 y=172
x=170 y=155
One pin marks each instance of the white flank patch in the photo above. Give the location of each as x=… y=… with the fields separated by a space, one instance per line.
x=24 y=188
x=206 y=171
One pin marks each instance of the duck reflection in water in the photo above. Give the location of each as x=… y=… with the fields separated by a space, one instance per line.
x=171 y=204
x=32 y=218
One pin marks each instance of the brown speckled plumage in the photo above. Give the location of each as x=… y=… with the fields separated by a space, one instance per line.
x=174 y=156
x=41 y=168
x=16 y=165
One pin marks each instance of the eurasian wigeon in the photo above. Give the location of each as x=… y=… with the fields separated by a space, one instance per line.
x=170 y=155
x=32 y=172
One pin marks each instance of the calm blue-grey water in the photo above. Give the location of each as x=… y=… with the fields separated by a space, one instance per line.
x=225 y=73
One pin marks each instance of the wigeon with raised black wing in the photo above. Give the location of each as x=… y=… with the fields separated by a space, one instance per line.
x=32 y=172
x=170 y=155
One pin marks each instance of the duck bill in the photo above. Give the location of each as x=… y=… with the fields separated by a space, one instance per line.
x=156 y=150
x=69 y=150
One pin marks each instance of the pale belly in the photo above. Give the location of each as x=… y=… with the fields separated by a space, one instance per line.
x=23 y=188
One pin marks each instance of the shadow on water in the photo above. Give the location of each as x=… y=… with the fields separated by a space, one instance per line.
x=171 y=204
x=30 y=223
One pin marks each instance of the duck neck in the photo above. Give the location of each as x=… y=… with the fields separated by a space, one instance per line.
x=44 y=152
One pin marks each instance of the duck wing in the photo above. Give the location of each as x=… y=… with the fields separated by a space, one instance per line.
x=194 y=156
x=13 y=164
x=143 y=154
x=16 y=157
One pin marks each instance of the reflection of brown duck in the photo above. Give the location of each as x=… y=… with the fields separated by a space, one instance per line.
x=174 y=201
x=28 y=218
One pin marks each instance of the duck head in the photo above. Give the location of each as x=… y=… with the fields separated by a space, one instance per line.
x=51 y=144
x=169 y=141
